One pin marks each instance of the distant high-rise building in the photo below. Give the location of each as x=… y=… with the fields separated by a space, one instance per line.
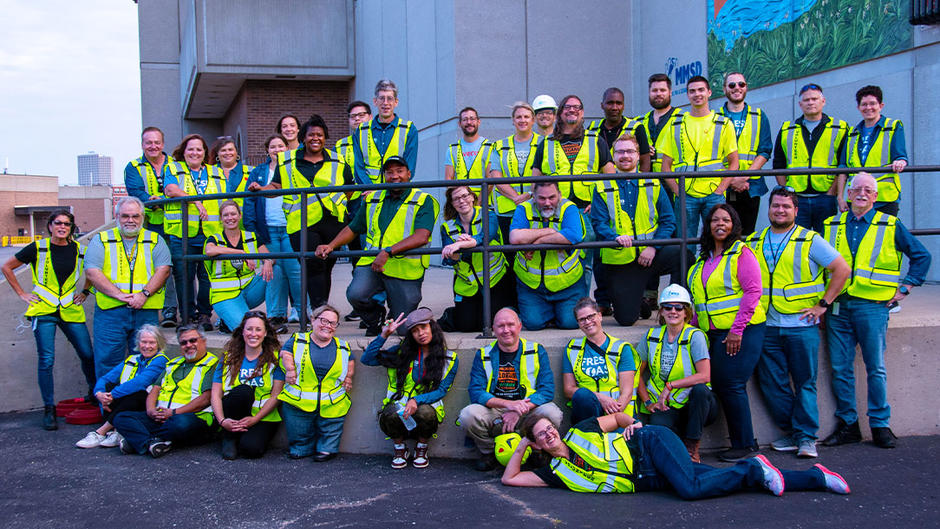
x=94 y=169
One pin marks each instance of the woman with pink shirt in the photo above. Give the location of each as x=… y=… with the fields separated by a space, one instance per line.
x=725 y=283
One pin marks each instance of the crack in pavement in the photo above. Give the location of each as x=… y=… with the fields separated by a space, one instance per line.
x=526 y=510
x=337 y=505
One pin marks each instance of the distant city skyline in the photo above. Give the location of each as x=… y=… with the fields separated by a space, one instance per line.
x=71 y=85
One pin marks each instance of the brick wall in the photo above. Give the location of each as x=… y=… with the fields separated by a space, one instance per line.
x=258 y=106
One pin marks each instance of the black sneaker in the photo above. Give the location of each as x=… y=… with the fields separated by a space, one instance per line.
x=205 y=321
x=223 y=328
x=229 y=448
x=486 y=463
x=844 y=434
x=607 y=310
x=158 y=447
x=169 y=319
x=646 y=310
x=352 y=316
x=733 y=455
x=126 y=447
x=49 y=421
x=373 y=330
x=883 y=437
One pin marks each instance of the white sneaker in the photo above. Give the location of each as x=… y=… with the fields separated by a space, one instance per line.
x=111 y=440
x=773 y=478
x=834 y=482
x=92 y=440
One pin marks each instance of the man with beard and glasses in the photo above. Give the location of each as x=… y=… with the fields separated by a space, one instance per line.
x=128 y=266
x=549 y=281
x=792 y=260
x=755 y=147
x=545 y=110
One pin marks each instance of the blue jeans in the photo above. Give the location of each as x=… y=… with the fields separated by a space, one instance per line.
x=697 y=208
x=587 y=256
x=791 y=352
x=729 y=380
x=114 y=331
x=864 y=323
x=661 y=462
x=286 y=275
x=404 y=295
x=540 y=306
x=814 y=210
x=196 y=271
x=139 y=429
x=77 y=334
x=232 y=310
x=585 y=405
x=308 y=431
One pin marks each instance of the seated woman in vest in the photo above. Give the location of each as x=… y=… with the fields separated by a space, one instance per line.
x=224 y=155
x=236 y=286
x=312 y=166
x=421 y=371
x=125 y=387
x=318 y=369
x=56 y=264
x=645 y=458
x=598 y=370
x=248 y=379
x=462 y=229
x=675 y=372
x=725 y=283
x=189 y=175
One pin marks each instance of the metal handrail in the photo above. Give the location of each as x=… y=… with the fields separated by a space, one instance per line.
x=486 y=249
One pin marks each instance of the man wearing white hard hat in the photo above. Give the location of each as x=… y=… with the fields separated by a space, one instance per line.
x=675 y=371
x=545 y=108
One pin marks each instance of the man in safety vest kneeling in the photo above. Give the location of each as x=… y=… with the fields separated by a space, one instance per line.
x=178 y=410
x=873 y=244
x=511 y=378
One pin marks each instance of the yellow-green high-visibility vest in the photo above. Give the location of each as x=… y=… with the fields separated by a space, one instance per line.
x=528 y=365
x=718 y=301
x=370 y=152
x=411 y=389
x=627 y=125
x=656 y=160
x=154 y=185
x=608 y=460
x=468 y=276
x=796 y=282
x=876 y=265
x=699 y=158
x=401 y=227
x=682 y=367
x=53 y=296
x=879 y=155
x=175 y=395
x=610 y=385
x=479 y=168
x=509 y=165
x=225 y=280
x=558 y=269
x=643 y=228
x=129 y=273
x=824 y=155
x=327 y=396
x=262 y=392
x=173 y=212
x=555 y=162
x=330 y=173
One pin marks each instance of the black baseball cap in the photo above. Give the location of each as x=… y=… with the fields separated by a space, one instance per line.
x=393 y=160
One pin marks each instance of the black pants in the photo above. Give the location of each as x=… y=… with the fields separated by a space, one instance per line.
x=889 y=208
x=136 y=401
x=602 y=293
x=319 y=271
x=748 y=208
x=690 y=420
x=425 y=417
x=468 y=312
x=628 y=282
x=237 y=405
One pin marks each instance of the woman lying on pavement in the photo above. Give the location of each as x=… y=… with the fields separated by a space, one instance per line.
x=646 y=458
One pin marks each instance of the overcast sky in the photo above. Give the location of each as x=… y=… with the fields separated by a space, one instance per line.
x=70 y=84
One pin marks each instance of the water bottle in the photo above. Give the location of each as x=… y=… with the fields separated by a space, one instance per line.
x=409 y=421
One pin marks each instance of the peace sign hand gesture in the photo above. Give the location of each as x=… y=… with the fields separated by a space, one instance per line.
x=392 y=325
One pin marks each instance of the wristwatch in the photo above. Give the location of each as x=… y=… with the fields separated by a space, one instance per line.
x=145 y=292
x=823 y=303
x=904 y=290
x=648 y=403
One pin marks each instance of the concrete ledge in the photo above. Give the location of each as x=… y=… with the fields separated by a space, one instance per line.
x=912 y=368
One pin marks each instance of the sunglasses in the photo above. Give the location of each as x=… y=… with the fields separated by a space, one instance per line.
x=784 y=188
x=811 y=86
x=62 y=223
x=734 y=85
x=678 y=307
x=189 y=341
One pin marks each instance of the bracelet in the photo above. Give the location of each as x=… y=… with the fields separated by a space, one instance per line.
x=86 y=292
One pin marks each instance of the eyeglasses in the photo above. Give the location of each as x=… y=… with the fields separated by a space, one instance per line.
x=224 y=138
x=810 y=86
x=461 y=198
x=666 y=307
x=386 y=99
x=573 y=107
x=866 y=190
x=544 y=434
x=732 y=85
x=585 y=319
x=255 y=314
x=357 y=115
x=189 y=341
x=467 y=119
x=621 y=152
x=62 y=223
x=784 y=188
x=328 y=323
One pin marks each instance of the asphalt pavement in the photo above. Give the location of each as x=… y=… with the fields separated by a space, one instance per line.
x=47 y=482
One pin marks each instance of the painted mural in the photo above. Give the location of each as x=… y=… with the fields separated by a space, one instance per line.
x=775 y=40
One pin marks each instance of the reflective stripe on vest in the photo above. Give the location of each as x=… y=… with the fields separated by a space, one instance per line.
x=876 y=265
x=509 y=165
x=627 y=125
x=132 y=365
x=796 y=282
x=682 y=367
x=330 y=173
x=401 y=227
x=53 y=296
x=396 y=147
x=173 y=212
x=610 y=385
x=479 y=168
x=558 y=269
x=749 y=138
x=262 y=392
x=528 y=365
x=469 y=275
x=656 y=161
x=327 y=396
x=647 y=217
x=719 y=300
x=129 y=275
x=175 y=395
x=609 y=462
x=226 y=281
x=153 y=183
x=798 y=156
x=689 y=159
x=879 y=155
x=555 y=162
x=411 y=389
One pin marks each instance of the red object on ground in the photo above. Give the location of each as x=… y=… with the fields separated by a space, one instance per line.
x=84 y=416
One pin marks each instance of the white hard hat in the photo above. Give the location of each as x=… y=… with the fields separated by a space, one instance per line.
x=675 y=293
x=544 y=101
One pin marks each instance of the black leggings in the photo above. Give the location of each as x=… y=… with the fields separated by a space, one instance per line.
x=136 y=401
x=237 y=405
x=425 y=417
x=319 y=271
x=468 y=312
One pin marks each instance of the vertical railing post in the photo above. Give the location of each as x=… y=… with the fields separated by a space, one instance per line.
x=683 y=229
x=187 y=283
x=487 y=301
x=303 y=262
